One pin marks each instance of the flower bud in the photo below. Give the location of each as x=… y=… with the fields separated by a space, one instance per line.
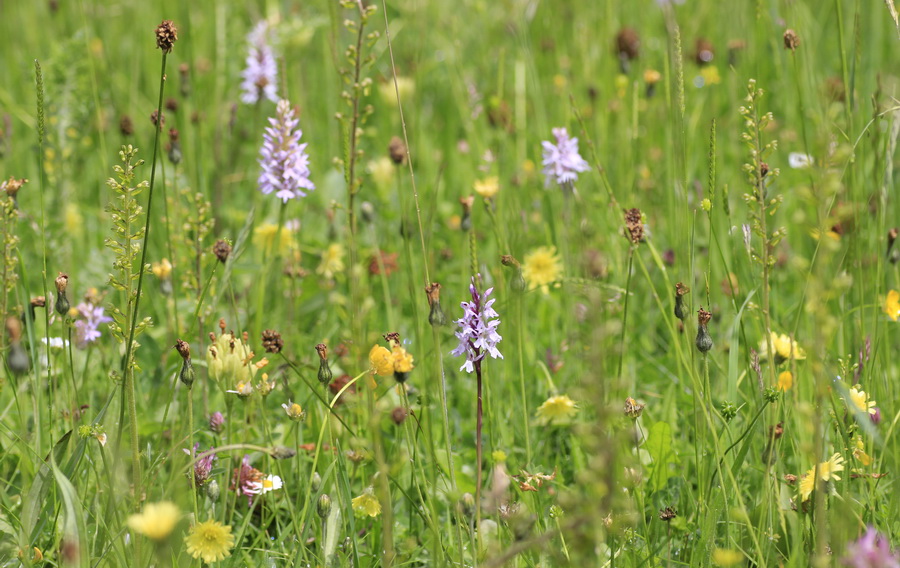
x=62 y=302
x=217 y=422
x=436 y=316
x=324 y=374
x=323 y=507
x=187 y=367
x=680 y=291
x=704 y=341
x=315 y=482
x=212 y=490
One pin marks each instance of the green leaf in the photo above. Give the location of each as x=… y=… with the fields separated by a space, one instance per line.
x=659 y=446
x=73 y=518
x=37 y=495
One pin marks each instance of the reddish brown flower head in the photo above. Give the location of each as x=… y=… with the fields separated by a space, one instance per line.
x=166 y=36
x=397 y=151
x=628 y=43
x=791 y=39
x=183 y=348
x=222 y=250
x=272 y=341
x=634 y=225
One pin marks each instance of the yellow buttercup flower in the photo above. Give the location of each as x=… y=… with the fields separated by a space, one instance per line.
x=892 y=305
x=156 y=521
x=861 y=401
x=162 y=269
x=710 y=75
x=212 y=541
x=726 y=557
x=541 y=268
x=487 y=187
x=558 y=410
x=401 y=359
x=382 y=361
x=366 y=504
x=785 y=381
x=859 y=453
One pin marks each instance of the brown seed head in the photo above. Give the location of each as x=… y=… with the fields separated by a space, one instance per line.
x=173 y=134
x=703 y=317
x=126 y=127
x=155 y=119
x=703 y=51
x=467 y=203
x=14 y=328
x=222 y=250
x=635 y=225
x=398 y=415
x=681 y=289
x=763 y=169
x=397 y=151
x=633 y=409
x=38 y=302
x=791 y=39
x=172 y=104
x=322 y=350
x=392 y=337
x=667 y=514
x=183 y=348
x=271 y=341
x=628 y=43
x=892 y=236
x=776 y=431
x=790 y=478
x=222 y=325
x=166 y=36
x=13 y=185
x=62 y=282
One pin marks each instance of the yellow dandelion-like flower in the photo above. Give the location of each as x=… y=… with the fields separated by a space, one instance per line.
x=726 y=557
x=487 y=187
x=332 y=261
x=156 y=521
x=212 y=541
x=382 y=361
x=558 y=409
x=785 y=348
x=366 y=504
x=401 y=359
x=785 y=381
x=892 y=305
x=828 y=470
x=266 y=235
x=710 y=75
x=541 y=268
x=861 y=401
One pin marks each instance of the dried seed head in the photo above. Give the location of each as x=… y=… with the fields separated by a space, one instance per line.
x=634 y=225
x=183 y=348
x=398 y=415
x=436 y=317
x=776 y=431
x=126 y=126
x=12 y=186
x=166 y=36
x=38 y=302
x=322 y=350
x=272 y=341
x=892 y=236
x=628 y=44
x=704 y=342
x=703 y=51
x=703 y=317
x=791 y=40
x=790 y=478
x=172 y=104
x=667 y=514
x=62 y=282
x=680 y=291
x=62 y=302
x=509 y=260
x=324 y=375
x=397 y=151
x=763 y=169
x=633 y=409
x=222 y=250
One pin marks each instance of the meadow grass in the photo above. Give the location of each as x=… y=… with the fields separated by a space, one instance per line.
x=697 y=328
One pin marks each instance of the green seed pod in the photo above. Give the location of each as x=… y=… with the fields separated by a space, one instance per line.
x=323 y=507
x=704 y=341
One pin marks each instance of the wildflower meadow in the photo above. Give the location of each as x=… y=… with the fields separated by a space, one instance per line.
x=414 y=283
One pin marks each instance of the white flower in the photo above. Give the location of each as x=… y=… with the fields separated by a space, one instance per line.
x=269 y=483
x=56 y=342
x=800 y=161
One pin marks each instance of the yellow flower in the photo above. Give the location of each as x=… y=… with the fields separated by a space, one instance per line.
x=366 y=504
x=487 y=187
x=156 y=521
x=162 y=269
x=785 y=348
x=861 y=401
x=381 y=360
x=229 y=360
x=558 y=409
x=294 y=411
x=402 y=360
x=265 y=235
x=892 y=305
x=859 y=453
x=710 y=75
x=332 y=261
x=726 y=557
x=541 y=268
x=827 y=471
x=785 y=381
x=382 y=171
x=212 y=541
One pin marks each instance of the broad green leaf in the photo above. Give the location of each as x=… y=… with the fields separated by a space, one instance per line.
x=73 y=516
x=659 y=446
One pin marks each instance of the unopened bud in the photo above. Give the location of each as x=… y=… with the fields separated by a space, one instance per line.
x=397 y=151
x=704 y=341
x=324 y=374
x=436 y=316
x=323 y=507
x=315 y=482
x=680 y=291
x=212 y=490
x=62 y=302
x=367 y=211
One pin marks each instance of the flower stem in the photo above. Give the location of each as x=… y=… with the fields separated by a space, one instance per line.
x=478 y=450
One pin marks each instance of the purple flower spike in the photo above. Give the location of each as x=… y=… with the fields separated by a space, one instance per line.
x=561 y=160
x=477 y=329
x=217 y=422
x=86 y=331
x=872 y=550
x=261 y=74
x=284 y=161
x=203 y=466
